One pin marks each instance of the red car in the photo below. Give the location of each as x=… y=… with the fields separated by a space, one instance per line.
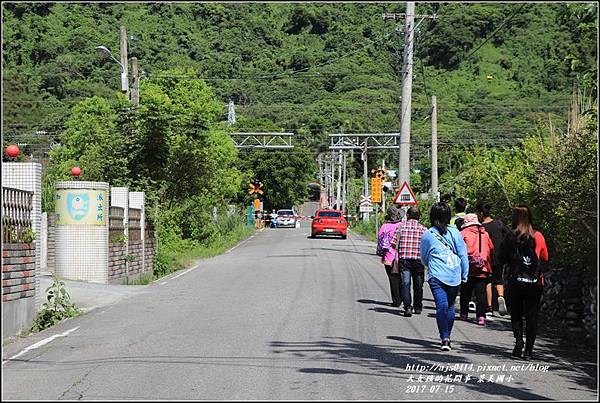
x=329 y=222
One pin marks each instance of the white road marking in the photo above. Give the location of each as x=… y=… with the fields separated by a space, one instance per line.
x=181 y=274
x=163 y=283
x=241 y=243
x=40 y=344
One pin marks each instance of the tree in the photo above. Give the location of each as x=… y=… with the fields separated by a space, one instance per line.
x=92 y=141
x=284 y=174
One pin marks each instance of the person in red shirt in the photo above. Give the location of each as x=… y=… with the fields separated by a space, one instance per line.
x=524 y=250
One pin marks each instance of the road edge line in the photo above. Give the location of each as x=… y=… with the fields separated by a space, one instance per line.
x=40 y=344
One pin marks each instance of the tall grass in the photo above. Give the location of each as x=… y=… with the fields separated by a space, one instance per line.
x=175 y=253
x=366 y=228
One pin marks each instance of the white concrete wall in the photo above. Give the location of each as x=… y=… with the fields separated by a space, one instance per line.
x=28 y=176
x=43 y=244
x=82 y=250
x=137 y=200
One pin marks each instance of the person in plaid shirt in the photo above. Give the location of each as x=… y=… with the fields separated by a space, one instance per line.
x=407 y=240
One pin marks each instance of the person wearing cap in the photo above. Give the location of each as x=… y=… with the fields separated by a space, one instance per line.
x=393 y=219
x=480 y=251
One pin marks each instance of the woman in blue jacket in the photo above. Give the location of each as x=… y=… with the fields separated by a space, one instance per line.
x=444 y=252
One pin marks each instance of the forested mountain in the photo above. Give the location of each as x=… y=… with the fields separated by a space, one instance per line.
x=310 y=68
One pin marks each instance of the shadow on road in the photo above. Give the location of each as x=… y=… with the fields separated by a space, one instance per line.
x=386 y=310
x=370 y=301
x=393 y=361
x=550 y=349
x=342 y=250
x=327 y=237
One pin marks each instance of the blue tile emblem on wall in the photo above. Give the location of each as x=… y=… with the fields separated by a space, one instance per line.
x=78 y=205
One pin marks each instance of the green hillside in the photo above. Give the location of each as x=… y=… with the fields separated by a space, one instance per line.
x=306 y=67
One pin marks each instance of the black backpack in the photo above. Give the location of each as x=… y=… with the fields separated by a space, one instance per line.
x=459 y=221
x=525 y=267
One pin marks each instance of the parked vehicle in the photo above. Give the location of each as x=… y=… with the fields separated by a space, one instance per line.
x=329 y=222
x=286 y=218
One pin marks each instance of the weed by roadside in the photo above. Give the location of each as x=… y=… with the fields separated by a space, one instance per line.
x=144 y=279
x=57 y=307
x=366 y=228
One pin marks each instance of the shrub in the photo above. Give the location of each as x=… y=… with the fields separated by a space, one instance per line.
x=57 y=307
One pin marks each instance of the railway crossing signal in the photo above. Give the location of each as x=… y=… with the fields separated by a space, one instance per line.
x=376 y=190
x=379 y=173
x=256 y=188
x=405 y=195
x=376 y=182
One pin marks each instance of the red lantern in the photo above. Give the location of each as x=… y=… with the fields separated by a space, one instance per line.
x=12 y=151
x=75 y=171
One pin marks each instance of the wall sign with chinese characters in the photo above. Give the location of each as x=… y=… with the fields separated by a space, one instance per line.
x=81 y=207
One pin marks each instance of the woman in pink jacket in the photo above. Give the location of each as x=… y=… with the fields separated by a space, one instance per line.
x=480 y=251
x=393 y=218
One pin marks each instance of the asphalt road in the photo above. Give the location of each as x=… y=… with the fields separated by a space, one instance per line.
x=283 y=317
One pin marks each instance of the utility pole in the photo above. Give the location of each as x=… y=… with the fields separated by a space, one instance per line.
x=434 y=162
x=124 y=61
x=326 y=179
x=320 y=162
x=409 y=31
x=404 y=154
x=338 y=199
x=365 y=178
x=344 y=182
x=135 y=88
x=332 y=179
x=383 y=193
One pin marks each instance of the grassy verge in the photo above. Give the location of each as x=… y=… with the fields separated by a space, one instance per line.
x=144 y=279
x=366 y=228
x=181 y=253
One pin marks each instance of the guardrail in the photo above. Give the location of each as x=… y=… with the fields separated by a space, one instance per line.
x=17 y=205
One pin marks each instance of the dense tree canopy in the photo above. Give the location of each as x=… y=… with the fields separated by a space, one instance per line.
x=265 y=57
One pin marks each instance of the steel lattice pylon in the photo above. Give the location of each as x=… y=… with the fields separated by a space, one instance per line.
x=262 y=140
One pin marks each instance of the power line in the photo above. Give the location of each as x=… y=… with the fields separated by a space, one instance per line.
x=424 y=78
x=343 y=56
x=495 y=31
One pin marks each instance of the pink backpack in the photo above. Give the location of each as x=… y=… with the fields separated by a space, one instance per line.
x=384 y=238
x=479 y=250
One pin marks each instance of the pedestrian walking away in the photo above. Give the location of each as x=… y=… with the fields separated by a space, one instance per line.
x=480 y=250
x=497 y=231
x=524 y=250
x=460 y=205
x=444 y=252
x=393 y=219
x=407 y=242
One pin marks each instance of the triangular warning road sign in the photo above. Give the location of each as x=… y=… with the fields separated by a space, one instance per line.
x=405 y=195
